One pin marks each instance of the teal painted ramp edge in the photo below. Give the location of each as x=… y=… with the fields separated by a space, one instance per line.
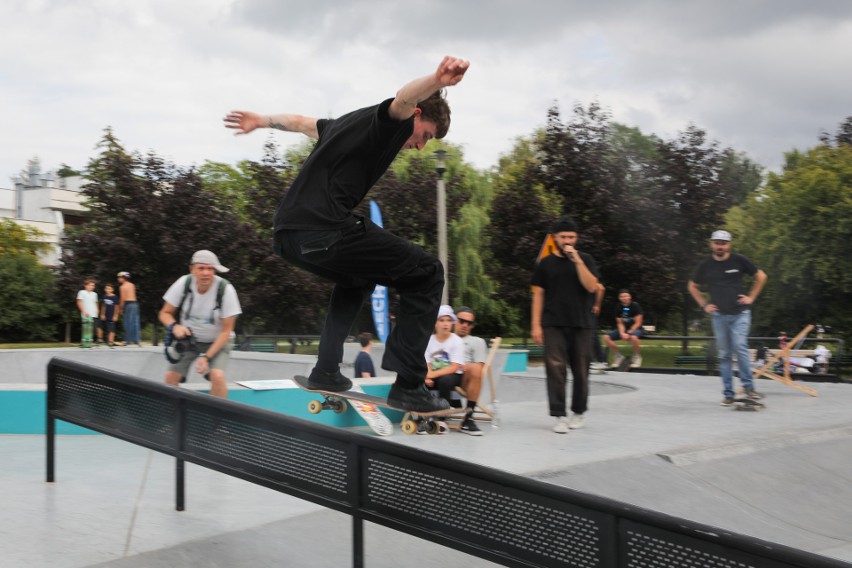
x=23 y=412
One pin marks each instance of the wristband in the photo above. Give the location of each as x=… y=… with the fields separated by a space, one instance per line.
x=704 y=305
x=203 y=355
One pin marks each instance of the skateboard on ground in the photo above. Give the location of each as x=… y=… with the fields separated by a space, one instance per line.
x=370 y=410
x=748 y=404
x=624 y=365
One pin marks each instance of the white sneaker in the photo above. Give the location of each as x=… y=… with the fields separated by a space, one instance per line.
x=617 y=361
x=636 y=361
x=597 y=368
x=561 y=426
x=576 y=421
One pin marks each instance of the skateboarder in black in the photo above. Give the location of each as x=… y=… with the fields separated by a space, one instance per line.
x=316 y=230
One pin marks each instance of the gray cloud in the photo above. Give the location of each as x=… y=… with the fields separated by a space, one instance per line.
x=762 y=76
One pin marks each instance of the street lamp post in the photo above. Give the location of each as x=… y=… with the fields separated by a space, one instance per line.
x=440 y=168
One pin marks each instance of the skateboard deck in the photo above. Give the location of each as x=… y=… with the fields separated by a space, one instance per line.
x=371 y=410
x=88 y=326
x=624 y=365
x=748 y=404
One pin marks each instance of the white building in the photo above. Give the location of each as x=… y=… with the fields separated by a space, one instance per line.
x=45 y=202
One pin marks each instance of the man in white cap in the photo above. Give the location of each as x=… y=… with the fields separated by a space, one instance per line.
x=729 y=306
x=200 y=312
x=445 y=357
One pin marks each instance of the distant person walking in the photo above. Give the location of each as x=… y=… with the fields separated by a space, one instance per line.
x=128 y=308
x=729 y=307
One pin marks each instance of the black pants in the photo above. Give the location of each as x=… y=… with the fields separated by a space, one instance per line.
x=564 y=346
x=597 y=349
x=356 y=258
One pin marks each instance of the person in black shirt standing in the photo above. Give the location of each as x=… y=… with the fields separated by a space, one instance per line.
x=564 y=285
x=729 y=308
x=316 y=230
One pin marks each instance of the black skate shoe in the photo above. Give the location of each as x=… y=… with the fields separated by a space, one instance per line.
x=418 y=399
x=334 y=382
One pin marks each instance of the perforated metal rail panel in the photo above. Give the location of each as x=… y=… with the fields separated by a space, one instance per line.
x=495 y=515
x=650 y=547
x=115 y=408
x=521 y=524
x=262 y=449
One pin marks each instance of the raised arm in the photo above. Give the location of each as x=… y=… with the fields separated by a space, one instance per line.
x=450 y=71
x=245 y=121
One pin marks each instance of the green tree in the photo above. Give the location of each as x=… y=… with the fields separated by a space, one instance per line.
x=522 y=212
x=26 y=286
x=147 y=217
x=798 y=230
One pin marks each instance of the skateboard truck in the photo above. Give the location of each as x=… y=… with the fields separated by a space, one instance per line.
x=338 y=405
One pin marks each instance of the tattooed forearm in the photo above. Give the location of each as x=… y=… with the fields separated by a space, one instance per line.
x=278 y=125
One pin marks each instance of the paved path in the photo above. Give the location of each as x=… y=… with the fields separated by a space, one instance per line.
x=657 y=441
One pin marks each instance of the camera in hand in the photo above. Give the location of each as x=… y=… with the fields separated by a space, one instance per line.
x=175 y=348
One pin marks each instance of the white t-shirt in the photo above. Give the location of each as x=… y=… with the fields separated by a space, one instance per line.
x=90 y=302
x=440 y=355
x=199 y=311
x=475 y=349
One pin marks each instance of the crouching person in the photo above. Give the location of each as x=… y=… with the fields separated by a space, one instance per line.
x=200 y=312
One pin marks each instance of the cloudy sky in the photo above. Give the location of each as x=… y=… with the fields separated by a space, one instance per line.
x=761 y=76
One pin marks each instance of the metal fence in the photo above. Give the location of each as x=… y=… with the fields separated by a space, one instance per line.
x=501 y=517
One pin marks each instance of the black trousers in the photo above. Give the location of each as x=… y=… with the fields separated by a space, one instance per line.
x=356 y=257
x=564 y=346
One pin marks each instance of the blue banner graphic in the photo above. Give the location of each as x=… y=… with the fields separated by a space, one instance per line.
x=379 y=299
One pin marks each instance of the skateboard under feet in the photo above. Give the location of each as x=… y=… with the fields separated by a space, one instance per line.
x=369 y=408
x=748 y=404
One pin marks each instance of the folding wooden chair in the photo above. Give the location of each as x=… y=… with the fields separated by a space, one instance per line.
x=785 y=353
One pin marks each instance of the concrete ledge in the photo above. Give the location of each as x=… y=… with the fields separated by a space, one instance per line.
x=704 y=453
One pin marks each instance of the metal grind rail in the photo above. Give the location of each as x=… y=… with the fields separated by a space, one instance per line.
x=498 y=516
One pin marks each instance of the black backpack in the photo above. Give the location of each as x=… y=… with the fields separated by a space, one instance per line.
x=187 y=289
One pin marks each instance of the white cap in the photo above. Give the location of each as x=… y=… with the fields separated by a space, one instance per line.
x=720 y=236
x=446 y=310
x=207 y=257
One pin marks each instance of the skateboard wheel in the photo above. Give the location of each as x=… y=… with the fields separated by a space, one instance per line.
x=409 y=426
x=315 y=407
x=431 y=428
x=339 y=406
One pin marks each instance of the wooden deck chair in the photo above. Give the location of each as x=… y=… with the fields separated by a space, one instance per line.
x=785 y=353
x=482 y=412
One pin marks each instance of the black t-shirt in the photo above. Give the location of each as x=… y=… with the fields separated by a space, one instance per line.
x=567 y=303
x=724 y=280
x=627 y=314
x=109 y=307
x=352 y=153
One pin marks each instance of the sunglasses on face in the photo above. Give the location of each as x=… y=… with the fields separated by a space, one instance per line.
x=467 y=322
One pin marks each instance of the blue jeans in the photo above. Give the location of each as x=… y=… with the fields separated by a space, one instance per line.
x=131 y=323
x=731 y=333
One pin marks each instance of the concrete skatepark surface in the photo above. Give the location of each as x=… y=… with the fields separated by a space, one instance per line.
x=661 y=442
